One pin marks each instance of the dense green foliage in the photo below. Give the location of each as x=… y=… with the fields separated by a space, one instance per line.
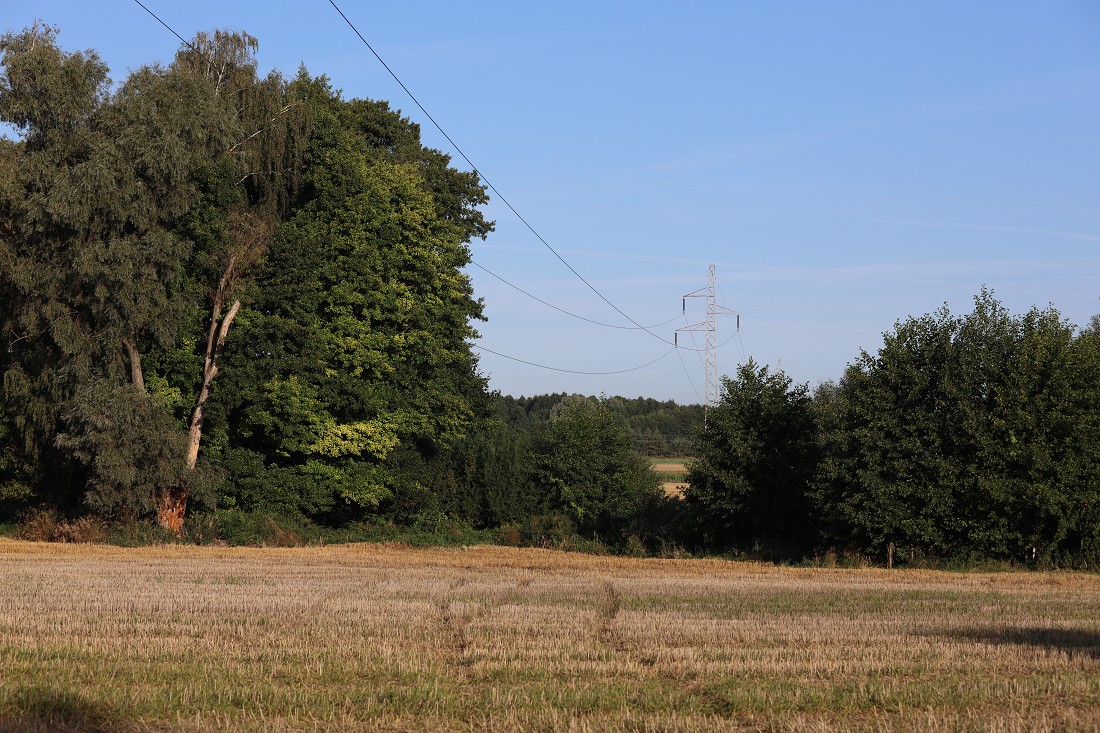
x=240 y=300
x=974 y=435
x=200 y=220
x=658 y=428
x=355 y=343
x=87 y=261
x=590 y=470
x=757 y=459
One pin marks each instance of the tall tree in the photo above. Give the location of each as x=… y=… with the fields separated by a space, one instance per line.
x=589 y=468
x=100 y=261
x=757 y=456
x=971 y=435
x=90 y=263
x=354 y=351
x=250 y=186
x=888 y=476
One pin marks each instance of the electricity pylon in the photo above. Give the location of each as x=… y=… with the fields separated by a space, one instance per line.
x=710 y=327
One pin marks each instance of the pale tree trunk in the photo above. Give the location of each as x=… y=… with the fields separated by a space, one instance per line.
x=219 y=327
x=172 y=504
x=252 y=234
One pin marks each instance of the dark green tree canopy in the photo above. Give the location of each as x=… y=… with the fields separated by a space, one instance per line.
x=590 y=469
x=90 y=265
x=355 y=341
x=757 y=457
x=969 y=434
x=139 y=222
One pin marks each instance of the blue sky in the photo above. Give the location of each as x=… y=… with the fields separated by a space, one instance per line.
x=843 y=164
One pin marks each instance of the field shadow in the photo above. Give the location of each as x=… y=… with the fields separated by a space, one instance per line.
x=1071 y=641
x=50 y=709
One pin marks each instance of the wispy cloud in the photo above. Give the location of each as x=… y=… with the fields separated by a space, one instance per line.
x=994 y=228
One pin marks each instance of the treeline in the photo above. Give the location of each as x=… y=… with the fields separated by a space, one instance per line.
x=236 y=300
x=658 y=428
x=968 y=437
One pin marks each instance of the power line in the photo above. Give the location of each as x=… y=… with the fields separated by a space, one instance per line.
x=636 y=325
x=170 y=29
x=488 y=183
x=691 y=334
x=562 y=310
x=574 y=371
x=688 y=375
x=209 y=61
x=583 y=318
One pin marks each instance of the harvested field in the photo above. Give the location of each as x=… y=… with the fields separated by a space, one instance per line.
x=373 y=637
x=672 y=471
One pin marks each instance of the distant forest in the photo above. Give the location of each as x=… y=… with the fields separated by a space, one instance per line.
x=658 y=428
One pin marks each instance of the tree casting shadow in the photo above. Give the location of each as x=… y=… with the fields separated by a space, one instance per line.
x=50 y=709
x=1073 y=642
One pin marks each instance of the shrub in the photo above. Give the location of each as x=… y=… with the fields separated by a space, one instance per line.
x=547 y=530
x=39 y=525
x=509 y=534
x=46 y=525
x=257 y=529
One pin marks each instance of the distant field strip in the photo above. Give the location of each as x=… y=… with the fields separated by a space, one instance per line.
x=373 y=637
x=673 y=474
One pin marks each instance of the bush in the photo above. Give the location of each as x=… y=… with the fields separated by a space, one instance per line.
x=547 y=530
x=202 y=529
x=509 y=534
x=139 y=534
x=256 y=529
x=46 y=525
x=554 y=531
x=39 y=525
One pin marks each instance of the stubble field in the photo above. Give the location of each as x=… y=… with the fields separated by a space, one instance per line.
x=673 y=473
x=373 y=637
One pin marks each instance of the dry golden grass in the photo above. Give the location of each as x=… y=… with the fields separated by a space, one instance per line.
x=372 y=637
x=672 y=469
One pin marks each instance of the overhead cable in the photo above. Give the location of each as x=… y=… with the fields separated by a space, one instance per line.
x=479 y=347
x=562 y=310
x=488 y=183
x=572 y=371
x=170 y=29
x=744 y=358
x=688 y=375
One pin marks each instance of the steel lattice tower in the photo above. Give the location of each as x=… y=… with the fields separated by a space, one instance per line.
x=709 y=326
